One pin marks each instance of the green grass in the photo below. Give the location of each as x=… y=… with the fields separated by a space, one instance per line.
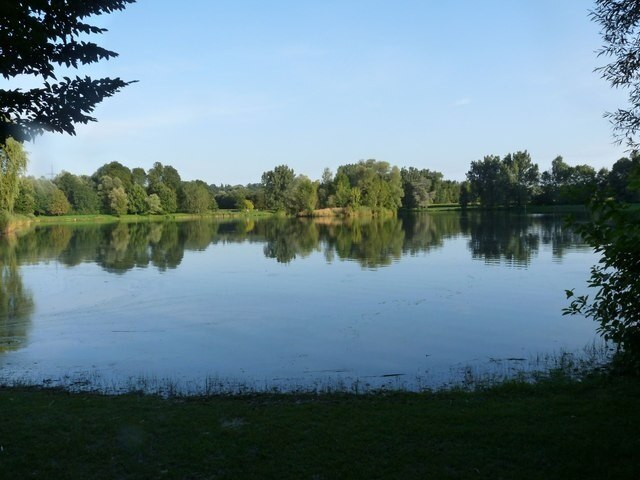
x=103 y=218
x=555 y=429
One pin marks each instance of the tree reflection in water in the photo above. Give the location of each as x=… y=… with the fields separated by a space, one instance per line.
x=513 y=239
x=16 y=302
x=494 y=237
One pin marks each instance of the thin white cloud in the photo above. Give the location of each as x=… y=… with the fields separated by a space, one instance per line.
x=461 y=102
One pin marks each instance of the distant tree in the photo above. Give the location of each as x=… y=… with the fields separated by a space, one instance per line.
x=447 y=191
x=379 y=185
x=105 y=185
x=58 y=204
x=304 y=196
x=278 y=184
x=164 y=174
x=521 y=176
x=343 y=190
x=564 y=184
x=465 y=194
x=118 y=201
x=139 y=176
x=154 y=205
x=154 y=174
x=325 y=189
x=168 y=198
x=171 y=178
x=42 y=193
x=25 y=201
x=80 y=192
x=417 y=186
x=247 y=205
x=13 y=162
x=35 y=37
x=137 y=199
x=115 y=170
x=196 y=197
x=552 y=181
x=486 y=181
x=620 y=176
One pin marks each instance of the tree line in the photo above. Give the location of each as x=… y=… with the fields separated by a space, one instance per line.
x=513 y=180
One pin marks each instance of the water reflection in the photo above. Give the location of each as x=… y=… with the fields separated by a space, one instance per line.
x=499 y=237
x=226 y=311
x=16 y=302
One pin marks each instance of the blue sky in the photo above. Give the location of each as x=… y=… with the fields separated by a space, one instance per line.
x=229 y=89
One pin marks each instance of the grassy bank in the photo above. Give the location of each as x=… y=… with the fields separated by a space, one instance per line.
x=555 y=429
x=17 y=222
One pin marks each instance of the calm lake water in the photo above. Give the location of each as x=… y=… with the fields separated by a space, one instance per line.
x=287 y=303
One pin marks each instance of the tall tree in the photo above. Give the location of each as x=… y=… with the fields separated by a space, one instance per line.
x=278 y=185
x=304 y=196
x=195 y=197
x=36 y=36
x=522 y=177
x=13 y=162
x=486 y=182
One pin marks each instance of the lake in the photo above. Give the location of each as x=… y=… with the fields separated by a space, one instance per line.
x=213 y=305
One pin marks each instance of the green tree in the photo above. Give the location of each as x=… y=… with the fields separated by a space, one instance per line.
x=42 y=194
x=58 y=204
x=25 y=201
x=521 y=176
x=154 y=205
x=247 y=205
x=13 y=162
x=168 y=198
x=115 y=170
x=139 y=176
x=620 y=177
x=35 y=37
x=166 y=175
x=137 y=199
x=118 y=201
x=196 y=197
x=465 y=194
x=304 y=196
x=278 y=185
x=106 y=184
x=343 y=190
x=417 y=186
x=325 y=189
x=486 y=181
x=379 y=184
x=80 y=192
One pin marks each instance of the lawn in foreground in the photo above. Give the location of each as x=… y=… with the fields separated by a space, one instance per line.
x=556 y=429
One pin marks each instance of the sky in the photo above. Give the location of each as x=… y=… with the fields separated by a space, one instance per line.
x=229 y=89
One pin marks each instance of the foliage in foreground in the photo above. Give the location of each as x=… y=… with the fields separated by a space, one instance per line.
x=614 y=232
x=36 y=37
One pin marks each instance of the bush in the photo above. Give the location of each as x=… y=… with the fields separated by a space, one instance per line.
x=614 y=232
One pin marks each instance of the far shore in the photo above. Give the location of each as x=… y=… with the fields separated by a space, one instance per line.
x=16 y=223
